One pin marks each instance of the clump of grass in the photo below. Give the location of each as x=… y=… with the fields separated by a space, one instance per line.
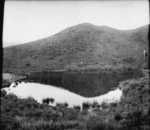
x=95 y=104
x=51 y=100
x=65 y=104
x=77 y=107
x=86 y=105
x=45 y=101
x=118 y=117
x=48 y=100
x=5 y=83
x=3 y=93
x=97 y=123
x=62 y=105
x=104 y=105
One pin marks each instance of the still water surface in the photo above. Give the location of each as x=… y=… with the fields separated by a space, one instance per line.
x=41 y=91
x=86 y=84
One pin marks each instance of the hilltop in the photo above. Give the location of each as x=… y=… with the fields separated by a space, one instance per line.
x=81 y=46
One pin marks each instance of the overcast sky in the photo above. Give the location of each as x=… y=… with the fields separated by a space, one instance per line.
x=26 y=21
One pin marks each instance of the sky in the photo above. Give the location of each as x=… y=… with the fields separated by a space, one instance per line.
x=26 y=21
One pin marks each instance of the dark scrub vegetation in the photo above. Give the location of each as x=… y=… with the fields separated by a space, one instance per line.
x=25 y=114
x=132 y=113
x=5 y=83
x=48 y=100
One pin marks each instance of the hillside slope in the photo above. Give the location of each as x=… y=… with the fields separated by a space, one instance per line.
x=81 y=45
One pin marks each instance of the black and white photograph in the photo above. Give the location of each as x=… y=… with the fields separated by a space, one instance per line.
x=75 y=65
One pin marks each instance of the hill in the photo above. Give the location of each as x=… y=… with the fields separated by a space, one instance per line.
x=81 y=45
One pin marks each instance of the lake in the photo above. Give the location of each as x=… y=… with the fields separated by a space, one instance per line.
x=41 y=91
x=73 y=88
x=86 y=84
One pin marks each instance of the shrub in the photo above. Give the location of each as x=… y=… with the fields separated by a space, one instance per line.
x=46 y=101
x=118 y=117
x=65 y=104
x=104 y=105
x=51 y=100
x=5 y=83
x=97 y=123
x=62 y=104
x=11 y=96
x=77 y=107
x=137 y=116
x=19 y=81
x=3 y=93
x=85 y=105
x=95 y=104
x=114 y=104
x=16 y=83
x=9 y=123
x=134 y=117
x=59 y=104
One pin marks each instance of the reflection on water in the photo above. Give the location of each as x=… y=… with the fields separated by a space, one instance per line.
x=87 y=84
x=41 y=91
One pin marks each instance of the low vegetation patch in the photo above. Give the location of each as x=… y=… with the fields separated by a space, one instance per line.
x=25 y=114
x=5 y=83
x=103 y=68
x=48 y=100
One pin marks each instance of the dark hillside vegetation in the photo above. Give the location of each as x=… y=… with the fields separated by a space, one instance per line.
x=79 y=46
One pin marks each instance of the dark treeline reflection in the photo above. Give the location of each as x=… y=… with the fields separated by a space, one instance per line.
x=87 y=84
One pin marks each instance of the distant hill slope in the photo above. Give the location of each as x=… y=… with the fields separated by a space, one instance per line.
x=81 y=44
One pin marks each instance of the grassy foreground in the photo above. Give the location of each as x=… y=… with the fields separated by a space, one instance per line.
x=133 y=112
